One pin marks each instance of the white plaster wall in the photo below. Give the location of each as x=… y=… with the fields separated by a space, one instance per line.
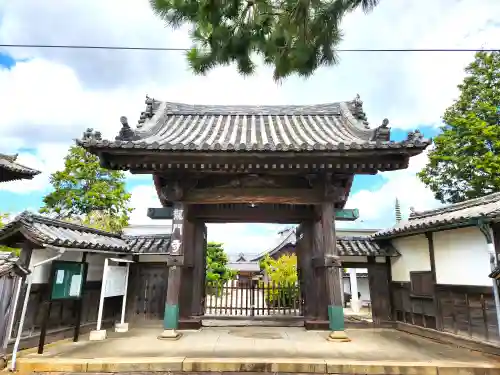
x=354 y=259
x=354 y=232
x=414 y=252
x=146 y=258
x=461 y=257
x=149 y=229
x=41 y=273
x=363 y=287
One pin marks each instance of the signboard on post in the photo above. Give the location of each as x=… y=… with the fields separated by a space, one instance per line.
x=116 y=281
x=67 y=279
x=66 y=282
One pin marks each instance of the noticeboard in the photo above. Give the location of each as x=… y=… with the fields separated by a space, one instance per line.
x=116 y=281
x=67 y=279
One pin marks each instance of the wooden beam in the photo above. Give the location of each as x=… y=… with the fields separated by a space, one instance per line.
x=248 y=214
x=257 y=214
x=253 y=195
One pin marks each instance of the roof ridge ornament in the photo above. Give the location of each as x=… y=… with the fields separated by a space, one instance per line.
x=126 y=132
x=90 y=134
x=415 y=137
x=383 y=132
x=148 y=113
x=358 y=112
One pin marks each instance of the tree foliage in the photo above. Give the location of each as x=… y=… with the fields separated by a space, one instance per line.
x=281 y=287
x=465 y=162
x=217 y=272
x=87 y=193
x=294 y=36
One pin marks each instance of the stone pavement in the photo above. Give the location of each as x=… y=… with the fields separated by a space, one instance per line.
x=262 y=349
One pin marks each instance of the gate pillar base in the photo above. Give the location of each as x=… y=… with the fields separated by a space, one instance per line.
x=190 y=323
x=170 y=334
x=317 y=325
x=338 y=336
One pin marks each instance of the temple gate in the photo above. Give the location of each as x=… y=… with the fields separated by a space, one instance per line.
x=260 y=164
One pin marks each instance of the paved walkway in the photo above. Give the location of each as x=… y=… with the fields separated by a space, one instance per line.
x=369 y=347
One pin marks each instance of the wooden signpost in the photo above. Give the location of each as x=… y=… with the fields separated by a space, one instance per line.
x=66 y=282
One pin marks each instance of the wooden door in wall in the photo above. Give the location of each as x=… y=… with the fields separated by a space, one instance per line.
x=147 y=291
x=379 y=292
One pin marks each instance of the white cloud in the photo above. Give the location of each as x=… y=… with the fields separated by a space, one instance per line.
x=377 y=207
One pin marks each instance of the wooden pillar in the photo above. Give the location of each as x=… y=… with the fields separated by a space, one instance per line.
x=171 y=314
x=318 y=293
x=432 y=259
x=304 y=261
x=199 y=269
x=187 y=272
x=332 y=268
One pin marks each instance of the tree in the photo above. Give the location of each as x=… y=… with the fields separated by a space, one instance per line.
x=217 y=273
x=294 y=36
x=465 y=162
x=281 y=289
x=87 y=193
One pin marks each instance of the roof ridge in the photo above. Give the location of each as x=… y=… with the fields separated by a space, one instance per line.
x=30 y=217
x=489 y=198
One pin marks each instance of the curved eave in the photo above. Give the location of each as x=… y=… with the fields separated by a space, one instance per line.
x=136 y=147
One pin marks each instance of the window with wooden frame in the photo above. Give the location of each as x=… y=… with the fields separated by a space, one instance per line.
x=421 y=284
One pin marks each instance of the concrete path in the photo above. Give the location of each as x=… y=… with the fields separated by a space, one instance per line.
x=371 y=351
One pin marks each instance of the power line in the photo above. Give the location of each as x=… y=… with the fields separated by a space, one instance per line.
x=187 y=49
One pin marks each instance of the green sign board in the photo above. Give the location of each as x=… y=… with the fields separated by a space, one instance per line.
x=67 y=280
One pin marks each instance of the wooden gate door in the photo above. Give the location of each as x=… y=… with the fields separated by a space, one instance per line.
x=147 y=291
x=253 y=299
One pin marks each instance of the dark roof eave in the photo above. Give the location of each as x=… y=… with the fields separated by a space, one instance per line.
x=435 y=228
x=388 y=148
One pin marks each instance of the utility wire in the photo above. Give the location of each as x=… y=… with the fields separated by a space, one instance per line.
x=187 y=49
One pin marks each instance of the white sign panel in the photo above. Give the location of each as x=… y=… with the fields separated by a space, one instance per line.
x=116 y=278
x=76 y=286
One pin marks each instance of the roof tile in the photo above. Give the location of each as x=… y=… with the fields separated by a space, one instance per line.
x=459 y=213
x=14 y=170
x=10 y=263
x=180 y=127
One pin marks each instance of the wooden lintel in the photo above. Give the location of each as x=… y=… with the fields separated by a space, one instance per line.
x=248 y=214
x=253 y=195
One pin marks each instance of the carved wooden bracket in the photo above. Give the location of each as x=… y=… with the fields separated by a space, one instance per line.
x=175 y=260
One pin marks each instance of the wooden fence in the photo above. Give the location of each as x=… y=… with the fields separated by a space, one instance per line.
x=255 y=299
x=62 y=313
x=467 y=311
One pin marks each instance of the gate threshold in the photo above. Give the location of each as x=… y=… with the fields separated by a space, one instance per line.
x=245 y=321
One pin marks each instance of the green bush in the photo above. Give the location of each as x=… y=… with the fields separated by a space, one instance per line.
x=281 y=289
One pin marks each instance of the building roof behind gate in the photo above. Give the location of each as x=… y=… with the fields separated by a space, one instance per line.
x=459 y=214
x=346 y=245
x=9 y=263
x=11 y=170
x=167 y=126
x=43 y=231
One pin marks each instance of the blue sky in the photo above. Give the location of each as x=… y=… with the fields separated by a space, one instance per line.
x=50 y=96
